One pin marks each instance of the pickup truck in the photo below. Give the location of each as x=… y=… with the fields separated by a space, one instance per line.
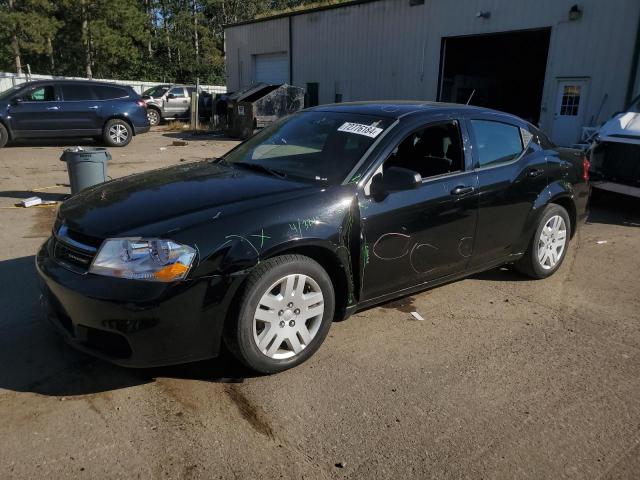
x=171 y=102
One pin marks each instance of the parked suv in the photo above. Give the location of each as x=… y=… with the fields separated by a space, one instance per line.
x=169 y=102
x=72 y=108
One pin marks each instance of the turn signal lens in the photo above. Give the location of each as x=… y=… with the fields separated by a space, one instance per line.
x=171 y=272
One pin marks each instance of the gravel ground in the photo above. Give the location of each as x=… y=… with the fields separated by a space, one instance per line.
x=506 y=377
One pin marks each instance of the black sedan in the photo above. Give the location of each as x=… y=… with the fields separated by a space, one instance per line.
x=321 y=214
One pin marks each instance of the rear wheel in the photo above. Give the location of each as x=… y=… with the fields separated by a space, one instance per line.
x=285 y=314
x=4 y=135
x=549 y=244
x=117 y=133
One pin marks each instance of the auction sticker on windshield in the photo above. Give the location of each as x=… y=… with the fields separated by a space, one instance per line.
x=360 y=129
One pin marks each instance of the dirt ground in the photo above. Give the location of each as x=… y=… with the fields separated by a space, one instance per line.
x=506 y=377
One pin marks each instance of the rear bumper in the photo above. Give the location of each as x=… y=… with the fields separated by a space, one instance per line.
x=134 y=323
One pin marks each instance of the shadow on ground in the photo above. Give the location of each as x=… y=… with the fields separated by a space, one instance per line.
x=189 y=136
x=614 y=209
x=55 y=142
x=46 y=196
x=35 y=359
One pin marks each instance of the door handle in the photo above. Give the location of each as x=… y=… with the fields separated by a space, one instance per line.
x=94 y=107
x=53 y=108
x=535 y=172
x=461 y=190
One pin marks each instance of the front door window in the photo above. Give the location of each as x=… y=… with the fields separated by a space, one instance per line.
x=40 y=94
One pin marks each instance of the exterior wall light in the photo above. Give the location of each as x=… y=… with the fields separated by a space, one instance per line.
x=575 y=13
x=482 y=14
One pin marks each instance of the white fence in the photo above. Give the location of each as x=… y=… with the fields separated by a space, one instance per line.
x=8 y=80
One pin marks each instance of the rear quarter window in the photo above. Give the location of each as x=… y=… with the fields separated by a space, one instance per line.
x=496 y=142
x=110 y=93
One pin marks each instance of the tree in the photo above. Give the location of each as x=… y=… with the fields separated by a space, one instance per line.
x=28 y=27
x=157 y=40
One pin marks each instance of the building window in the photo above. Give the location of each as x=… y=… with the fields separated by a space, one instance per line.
x=312 y=94
x=570 y=100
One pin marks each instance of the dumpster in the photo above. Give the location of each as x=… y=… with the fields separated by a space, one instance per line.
x=259 y=105
x=87 y=166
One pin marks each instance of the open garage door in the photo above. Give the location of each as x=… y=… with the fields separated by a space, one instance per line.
x=504 y=71
x=272 y=68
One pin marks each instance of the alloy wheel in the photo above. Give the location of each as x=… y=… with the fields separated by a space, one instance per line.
x=118 y=133
x=288 y=316
x=552 y=242
x=153 y=117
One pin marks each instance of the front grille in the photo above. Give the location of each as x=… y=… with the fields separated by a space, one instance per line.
x=71 y=257
x=88 y=240
x=74 y=250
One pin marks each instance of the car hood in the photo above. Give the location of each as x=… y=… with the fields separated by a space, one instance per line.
x=170 y=199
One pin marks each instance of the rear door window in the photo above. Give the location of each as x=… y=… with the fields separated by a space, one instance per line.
x=77 y=93
x=104 y=92
x=46 y=93
x=496 y=142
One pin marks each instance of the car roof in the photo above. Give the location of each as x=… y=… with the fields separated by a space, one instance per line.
x=74 y=82
x=400 y=108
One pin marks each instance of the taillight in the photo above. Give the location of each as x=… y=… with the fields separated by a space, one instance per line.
x=586 y=164
x=141 y=103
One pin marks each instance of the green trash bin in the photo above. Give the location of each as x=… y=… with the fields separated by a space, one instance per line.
x=87 y=166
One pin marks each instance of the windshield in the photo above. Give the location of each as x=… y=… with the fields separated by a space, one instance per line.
x=155 y=92
x=7 y=93
x=319 y=146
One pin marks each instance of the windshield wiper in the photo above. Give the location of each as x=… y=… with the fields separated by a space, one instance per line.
x=262 y=168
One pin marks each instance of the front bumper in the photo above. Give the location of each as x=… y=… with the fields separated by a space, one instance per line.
x=142 y=129
x=135 y=323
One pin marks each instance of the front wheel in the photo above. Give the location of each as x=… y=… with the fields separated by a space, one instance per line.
x=286 y=312
x=549 y=244
x=153 y=116
x=117 y=133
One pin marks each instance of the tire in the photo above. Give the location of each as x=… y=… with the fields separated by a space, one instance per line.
x=267 y=333
x=153 y=116
x=117 y=133
x=549 y=244
x=4 y=135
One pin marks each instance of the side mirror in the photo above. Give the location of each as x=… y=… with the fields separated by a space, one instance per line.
x=170 y=96
x=16 y=101
x=394 y=179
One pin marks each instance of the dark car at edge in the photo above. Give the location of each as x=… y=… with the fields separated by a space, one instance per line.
x=112 y=114
x=324 y=213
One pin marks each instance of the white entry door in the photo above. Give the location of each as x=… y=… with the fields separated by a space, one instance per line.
x=568 y=116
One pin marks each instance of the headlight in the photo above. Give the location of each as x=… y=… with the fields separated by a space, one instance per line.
x=143 y=259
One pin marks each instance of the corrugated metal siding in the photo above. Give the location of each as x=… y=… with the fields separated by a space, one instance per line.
x=245 y=41
x=387 y=49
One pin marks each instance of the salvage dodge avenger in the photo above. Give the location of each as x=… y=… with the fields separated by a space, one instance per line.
x=326 y=212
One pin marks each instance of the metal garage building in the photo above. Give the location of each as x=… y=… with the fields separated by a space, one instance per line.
x=557 y=63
